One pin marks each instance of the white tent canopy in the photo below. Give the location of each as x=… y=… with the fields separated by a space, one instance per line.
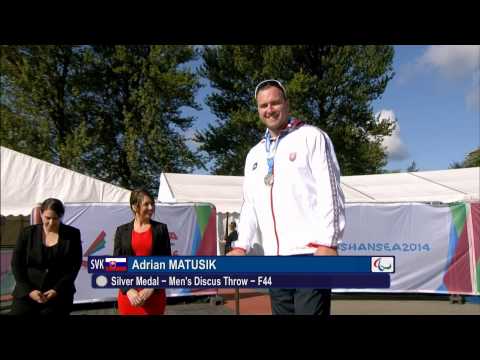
x=426 y=186
x=26 y=181
x=225 y=192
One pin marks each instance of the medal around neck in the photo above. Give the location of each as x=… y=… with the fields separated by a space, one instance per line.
x=268 y=179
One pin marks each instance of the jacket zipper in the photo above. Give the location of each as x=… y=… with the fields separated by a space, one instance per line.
x=273 y=214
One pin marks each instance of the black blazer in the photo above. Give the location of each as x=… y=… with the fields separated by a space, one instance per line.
x=29 y=269
x=160 y=241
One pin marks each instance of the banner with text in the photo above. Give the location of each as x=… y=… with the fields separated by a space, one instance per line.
x=431 y=244
x=191 y=228
x=436 y=248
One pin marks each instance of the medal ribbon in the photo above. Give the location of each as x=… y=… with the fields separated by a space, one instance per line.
x=272 y=149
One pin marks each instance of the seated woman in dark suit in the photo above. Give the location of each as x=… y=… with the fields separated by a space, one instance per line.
x=45 y=264
x=142 y=237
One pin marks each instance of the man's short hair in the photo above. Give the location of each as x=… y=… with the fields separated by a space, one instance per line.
x=271 y=82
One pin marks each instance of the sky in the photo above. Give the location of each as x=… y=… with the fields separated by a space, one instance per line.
x=434 y=98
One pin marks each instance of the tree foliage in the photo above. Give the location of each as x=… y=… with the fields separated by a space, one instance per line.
x=113 y=112
x=472 y=159
x=413 y=167
x=331 y=87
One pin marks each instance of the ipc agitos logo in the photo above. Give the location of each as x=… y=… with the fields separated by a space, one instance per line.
x=383 y=264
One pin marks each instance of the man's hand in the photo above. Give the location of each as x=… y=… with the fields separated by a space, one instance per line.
x=37 y=296
x=50 y=294
x=325 y=251
x=236 y=252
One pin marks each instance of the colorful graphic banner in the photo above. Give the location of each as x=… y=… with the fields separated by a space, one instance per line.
x=435 y=248
x=191 y=228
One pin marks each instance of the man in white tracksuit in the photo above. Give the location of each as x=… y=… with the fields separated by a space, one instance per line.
x=293 y=203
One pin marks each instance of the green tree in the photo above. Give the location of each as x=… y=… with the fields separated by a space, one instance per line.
x=113 y=112
x=331 y=87
x=37 y=107
x=472 y=159
x=456 y=165
x=413 y=167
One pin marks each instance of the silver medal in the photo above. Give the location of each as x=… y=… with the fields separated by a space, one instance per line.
x=268 y=179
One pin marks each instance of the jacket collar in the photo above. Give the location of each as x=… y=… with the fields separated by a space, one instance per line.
x=291 y=125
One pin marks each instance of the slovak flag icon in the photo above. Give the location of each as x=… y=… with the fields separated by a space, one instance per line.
x=116 y=264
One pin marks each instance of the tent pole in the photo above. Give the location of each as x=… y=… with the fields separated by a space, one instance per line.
x=237 y=290
x=237 y=301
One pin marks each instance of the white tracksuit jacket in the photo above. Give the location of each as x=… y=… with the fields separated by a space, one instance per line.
x=305 y=206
